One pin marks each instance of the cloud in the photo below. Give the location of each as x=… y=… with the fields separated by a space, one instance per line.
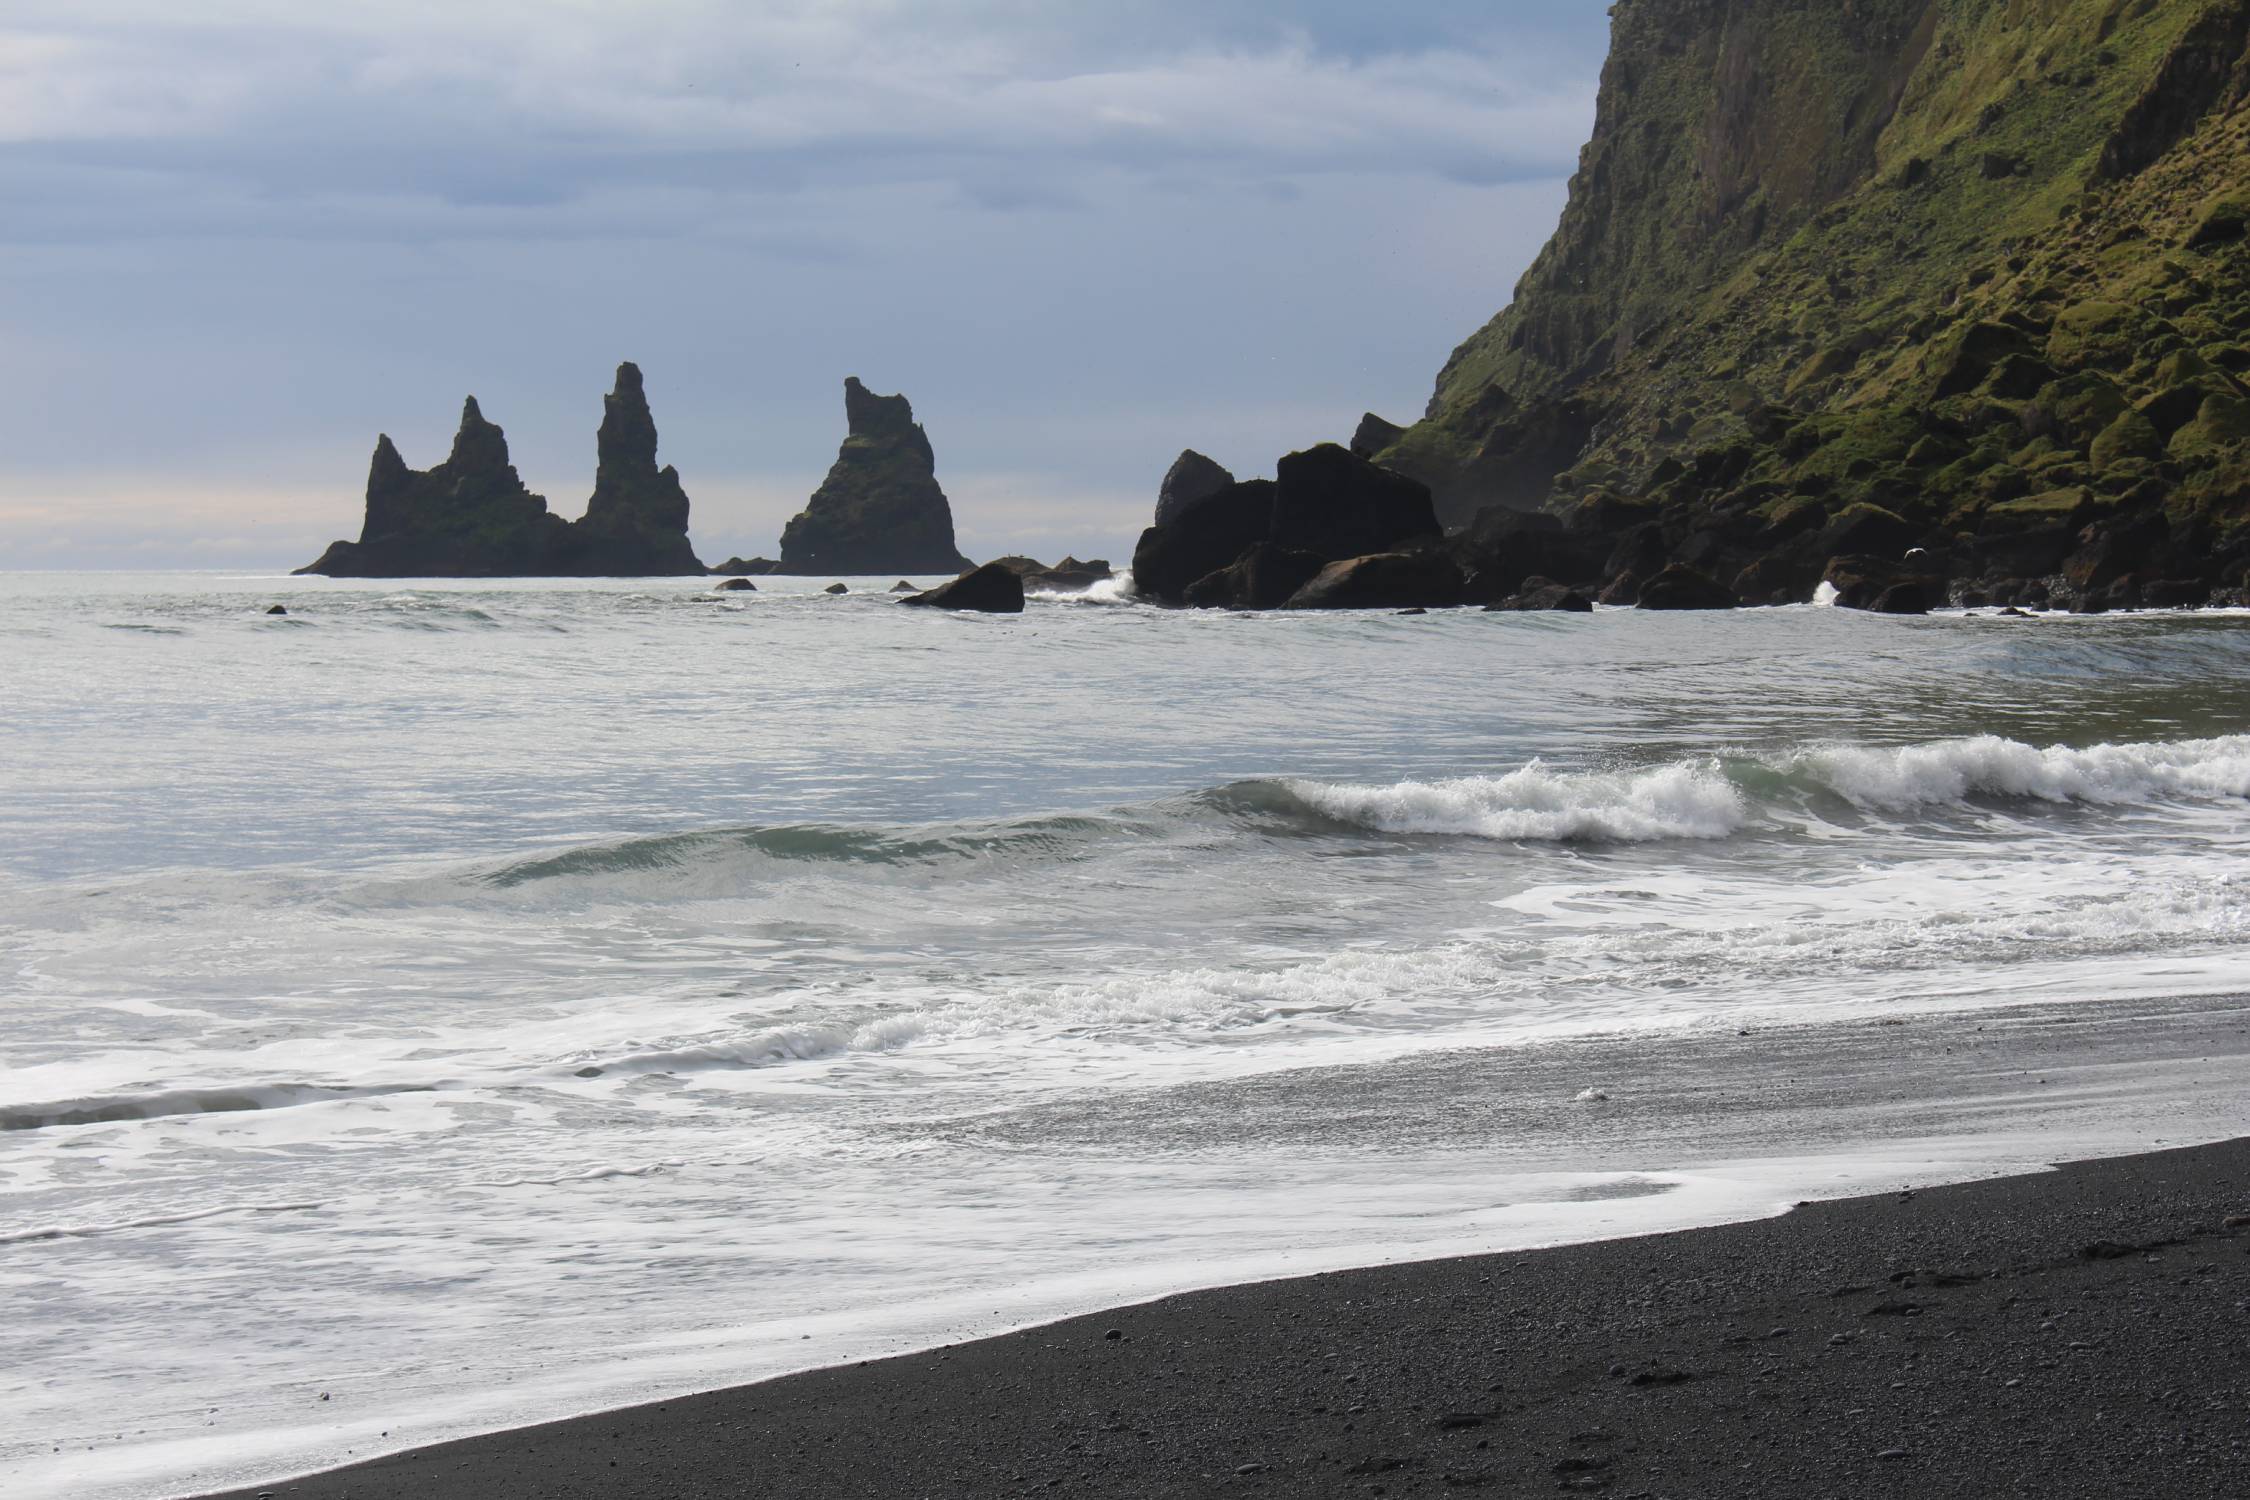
x=245 y=235
x=414 y=118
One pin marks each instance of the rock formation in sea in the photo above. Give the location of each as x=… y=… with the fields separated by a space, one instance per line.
x=1191 y=477
x=469 y=517
x=880 y=509
x=1232 y=546
x=994 y=589
x=636 y=521
x=1853 y=280
x=472 y=517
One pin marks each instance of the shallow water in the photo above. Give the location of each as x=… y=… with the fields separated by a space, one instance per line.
x=473 y=1002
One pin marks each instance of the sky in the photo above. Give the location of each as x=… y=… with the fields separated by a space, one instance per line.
x=245 y=236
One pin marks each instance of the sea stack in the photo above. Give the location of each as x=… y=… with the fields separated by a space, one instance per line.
x=880 y=510
x=470 y=517
x=637 y=519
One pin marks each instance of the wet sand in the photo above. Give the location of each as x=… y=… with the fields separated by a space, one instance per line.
x=2084 y=1332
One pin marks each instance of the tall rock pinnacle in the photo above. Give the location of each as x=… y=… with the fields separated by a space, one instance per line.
x=637 y=518
x=880 y=509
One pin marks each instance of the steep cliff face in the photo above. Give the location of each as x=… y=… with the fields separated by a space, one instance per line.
x=880 y=509
x=1934 y=257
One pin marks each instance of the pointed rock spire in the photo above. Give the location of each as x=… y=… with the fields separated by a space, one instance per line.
x=637 y=518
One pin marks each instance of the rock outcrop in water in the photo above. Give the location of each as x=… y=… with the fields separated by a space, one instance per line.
x=1846 y=280
x=637 y=519
x=469 y=517
x=994 y=589
x=880 y=509
x=473 y=517
x=1232 y=546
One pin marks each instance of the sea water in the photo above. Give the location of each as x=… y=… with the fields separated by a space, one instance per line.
x=453 y=1004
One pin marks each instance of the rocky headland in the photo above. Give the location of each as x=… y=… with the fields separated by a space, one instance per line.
x=1923 y=301
x=880 y=510
x=472 y=516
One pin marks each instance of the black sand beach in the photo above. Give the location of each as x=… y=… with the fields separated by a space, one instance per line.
x=2084 y=1332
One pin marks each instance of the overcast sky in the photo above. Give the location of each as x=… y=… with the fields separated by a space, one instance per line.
x=244 y=236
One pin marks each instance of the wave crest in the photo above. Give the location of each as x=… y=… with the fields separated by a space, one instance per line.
x=1688 y=800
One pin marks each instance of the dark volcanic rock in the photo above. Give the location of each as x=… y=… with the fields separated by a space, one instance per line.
x=636 y=521
x=1263 y=577
x=1682 y=587
x=1335 y=504
x=754 y=567
x=1386 y=580
x=1191 y=478
x=470 y=517
x=1202 y=537
x=1544 y=594
x=1909 y=598
x=880 y=509
x=1502 y=548
x=1374 y=435
x=1861 y=582
x=736 y=586
x=903 y=587
x=994 y=589
x=1623 y=590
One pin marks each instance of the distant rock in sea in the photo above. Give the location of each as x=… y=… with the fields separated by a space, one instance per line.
x=472 y=517
x=880 y=509
x=1192 y=477
x=751 y=567
x=636 y=521
x=994 y=589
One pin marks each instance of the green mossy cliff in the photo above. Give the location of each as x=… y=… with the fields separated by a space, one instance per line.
x=1854 y=278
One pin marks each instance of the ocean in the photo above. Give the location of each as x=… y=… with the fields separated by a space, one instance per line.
x=454 y=1004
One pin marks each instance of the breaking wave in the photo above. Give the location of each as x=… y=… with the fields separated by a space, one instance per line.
x=1703 y=798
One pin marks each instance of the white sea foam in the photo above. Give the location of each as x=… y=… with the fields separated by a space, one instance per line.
x=1953 y=771
x=1682 y=801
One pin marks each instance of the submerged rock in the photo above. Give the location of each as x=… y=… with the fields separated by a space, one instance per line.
x=994 y=589
x=755 y=567
x=1546 y=595
x=836 y=588
x=1682 y=587
x=880 y=510
x=736 y=586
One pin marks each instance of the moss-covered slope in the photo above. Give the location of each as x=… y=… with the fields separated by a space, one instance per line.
x=1952 y=272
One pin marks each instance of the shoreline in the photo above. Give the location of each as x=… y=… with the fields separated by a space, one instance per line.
x=2072 y=1332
